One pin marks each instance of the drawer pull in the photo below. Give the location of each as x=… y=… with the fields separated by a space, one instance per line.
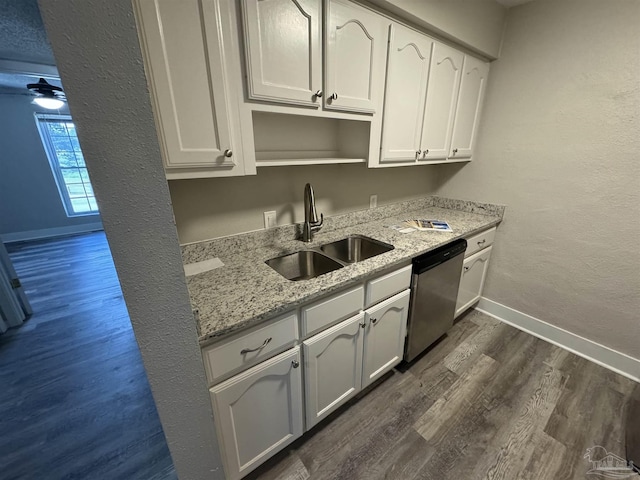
x=295 y=363
x=374 y=320
x=362 y=325
x=466 y=269
x=482 y=242
x=249 y=350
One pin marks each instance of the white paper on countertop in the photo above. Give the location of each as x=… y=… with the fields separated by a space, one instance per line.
x=204 y=266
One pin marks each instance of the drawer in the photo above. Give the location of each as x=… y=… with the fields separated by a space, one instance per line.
x=326 y=312
x=480 y=241
x=247 y=349
x=387 y=285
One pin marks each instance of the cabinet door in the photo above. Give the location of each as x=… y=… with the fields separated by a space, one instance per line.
x=407 y=75
x=283 y=50
x=470 y=100
x=474 y=272
x=442 y=92
x=386 y=326
x=333 y=368
x=259 y=412
x=186 y=68
x=356 y=46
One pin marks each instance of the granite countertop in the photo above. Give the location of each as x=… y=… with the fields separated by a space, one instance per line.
x=246 y=291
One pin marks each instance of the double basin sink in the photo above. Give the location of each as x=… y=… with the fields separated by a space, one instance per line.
x=307 y=264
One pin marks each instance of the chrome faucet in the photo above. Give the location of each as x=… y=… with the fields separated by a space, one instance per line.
x=311 y=223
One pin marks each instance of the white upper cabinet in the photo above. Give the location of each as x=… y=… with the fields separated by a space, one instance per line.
x=442 y=93
x=407 y=75
x=284 y=54
x=356 y=44
x=283 y=50
x=433 y=99
x=187 y=71
x=470 y=99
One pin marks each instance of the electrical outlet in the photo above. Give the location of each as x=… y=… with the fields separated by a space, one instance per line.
x=270 y=219
x=373 y=201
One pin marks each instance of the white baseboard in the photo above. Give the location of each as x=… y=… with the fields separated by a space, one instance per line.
x=50 y=232
x=604 y=356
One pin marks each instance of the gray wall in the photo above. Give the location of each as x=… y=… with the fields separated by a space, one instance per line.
x=215 y=207
x=559 y=145
x=97 y=50
x=29 y=198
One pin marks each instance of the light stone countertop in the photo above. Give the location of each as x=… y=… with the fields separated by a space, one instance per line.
x=246 y=291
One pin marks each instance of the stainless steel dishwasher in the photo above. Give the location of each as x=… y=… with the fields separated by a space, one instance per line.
x=434 y=291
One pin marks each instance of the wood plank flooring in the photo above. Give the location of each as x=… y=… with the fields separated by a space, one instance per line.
x=487 y=402
x=75 y=402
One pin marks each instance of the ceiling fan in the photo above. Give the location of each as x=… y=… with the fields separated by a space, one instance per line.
x=47 y=96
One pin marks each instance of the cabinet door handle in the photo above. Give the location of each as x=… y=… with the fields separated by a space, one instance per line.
x=482 y=242
x=418 y=153
x=334 y=96
x=249 y=350
x=424 y=153
x=455 y=150
x=318 y=93
x=295 y=363
x=362 y=325
x=374 y=320
x=228 y=152
x=479 y=259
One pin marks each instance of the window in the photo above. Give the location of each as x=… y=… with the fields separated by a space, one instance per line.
x=67 y=163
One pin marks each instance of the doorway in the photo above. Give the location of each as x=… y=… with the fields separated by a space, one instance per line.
x=75 y=401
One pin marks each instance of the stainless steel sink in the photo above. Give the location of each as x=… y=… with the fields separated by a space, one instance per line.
x=303 y=265
x=355 y=248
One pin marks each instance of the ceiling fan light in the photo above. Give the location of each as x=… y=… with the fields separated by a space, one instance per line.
x=49 y=103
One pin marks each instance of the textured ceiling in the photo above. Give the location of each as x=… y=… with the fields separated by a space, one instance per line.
x=512 y=3
x=22 y=34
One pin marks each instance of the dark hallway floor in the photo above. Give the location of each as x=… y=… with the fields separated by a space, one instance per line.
x=75 y=402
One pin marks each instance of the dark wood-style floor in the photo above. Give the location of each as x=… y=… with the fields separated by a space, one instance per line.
x=487 y=402
x=75 y=402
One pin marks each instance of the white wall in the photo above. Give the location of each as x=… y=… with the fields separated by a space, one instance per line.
x=559 y=146
x=98 y=55
x=30 y=204
x=476 y=24
x=209 y=208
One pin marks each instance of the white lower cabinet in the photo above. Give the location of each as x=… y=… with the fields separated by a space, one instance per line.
x=348 y=357
x=385 y=331
x=474 y=272
x=333 y=368
x=259 y=412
